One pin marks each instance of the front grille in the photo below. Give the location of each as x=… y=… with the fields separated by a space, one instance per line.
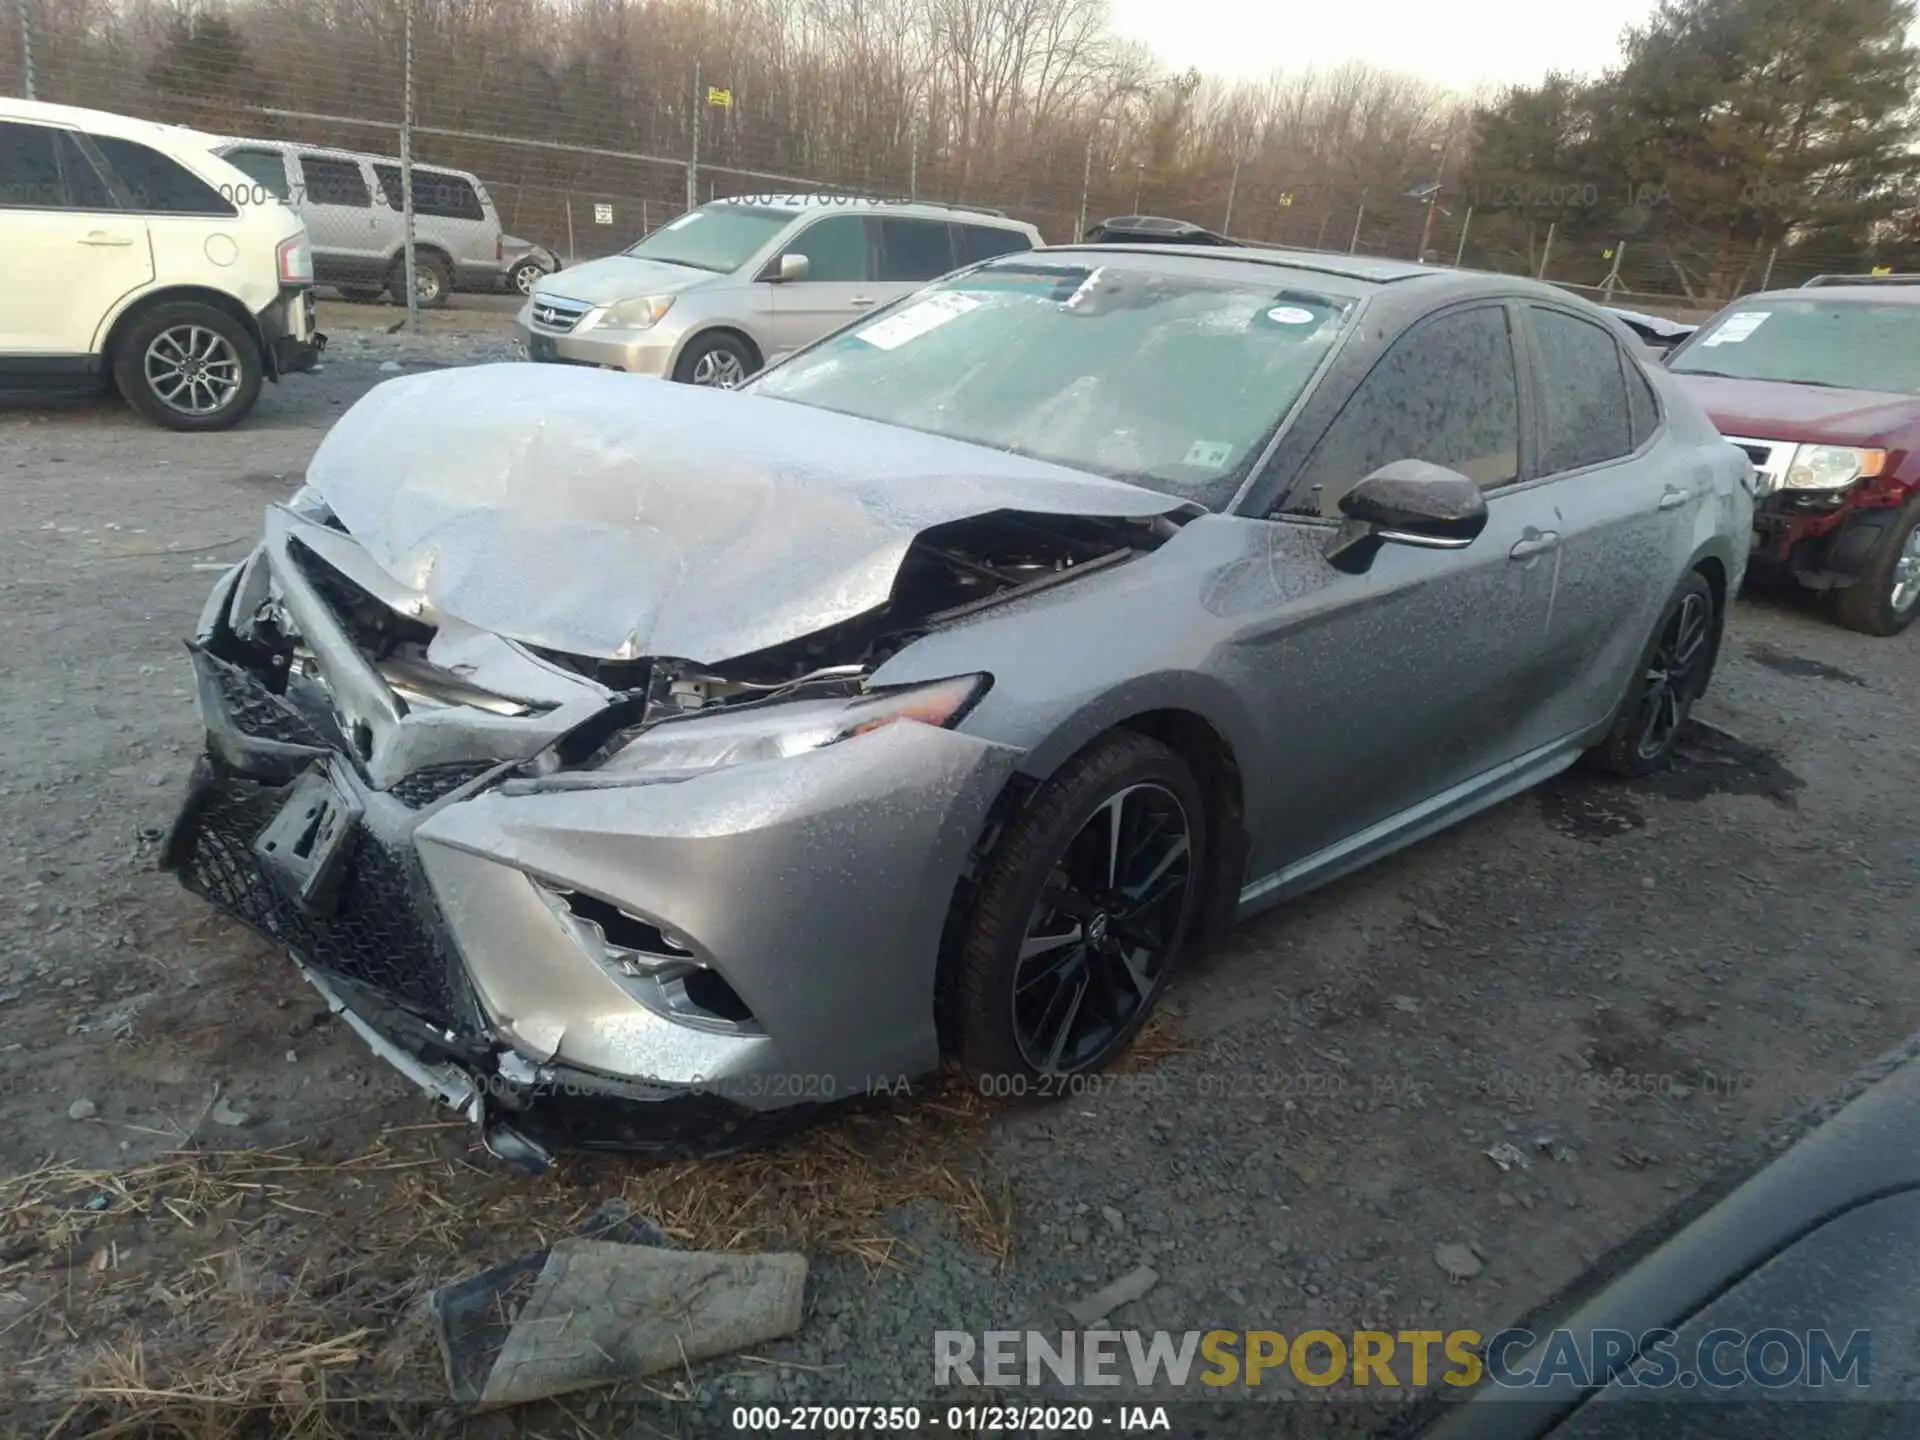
x=558 y=316
x=257 y=711
x=383 y=933
x=432 y=782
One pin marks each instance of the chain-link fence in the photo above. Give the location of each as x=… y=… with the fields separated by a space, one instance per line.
x=592 y=122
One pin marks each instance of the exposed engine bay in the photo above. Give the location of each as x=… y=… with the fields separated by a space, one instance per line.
x=948 y=574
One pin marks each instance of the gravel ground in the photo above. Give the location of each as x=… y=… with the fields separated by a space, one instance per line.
x=1633 y=985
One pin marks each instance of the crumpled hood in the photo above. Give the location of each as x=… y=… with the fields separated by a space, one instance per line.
x=609 y=515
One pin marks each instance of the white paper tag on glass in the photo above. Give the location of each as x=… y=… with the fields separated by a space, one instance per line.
x=1737 y=328
x=1290 y=315
x=917 y=319
x=1211 y=454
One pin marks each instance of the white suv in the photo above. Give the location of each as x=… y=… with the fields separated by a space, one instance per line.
x=143 y=258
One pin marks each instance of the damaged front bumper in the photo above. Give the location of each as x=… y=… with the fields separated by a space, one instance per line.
x=679 y=964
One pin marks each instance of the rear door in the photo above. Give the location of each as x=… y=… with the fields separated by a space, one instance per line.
x=843 y=279
x=190 y=224
x=1622 y=503
x=343 y=221
x=1384 y=690
x=912 y=252
x=76 y=252
x=449 y=214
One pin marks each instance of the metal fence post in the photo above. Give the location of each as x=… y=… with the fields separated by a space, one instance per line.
x=1460 y=250
x=26 y=45
x=572 y=254
x=406 y=181
x=1766 y=277
x=913 y=158
x=1546 y=250
x=1233 y=184
x=1353 y=241
x=693 y=156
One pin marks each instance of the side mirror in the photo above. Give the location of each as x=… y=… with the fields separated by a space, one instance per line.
x=1406 y=503
x=788 y=267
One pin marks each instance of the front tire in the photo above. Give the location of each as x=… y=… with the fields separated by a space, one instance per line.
x=524 y=277
x=188 y=366
x=1672 y=674
x=1080 y=917
x=719 y=361
x=1884 y=600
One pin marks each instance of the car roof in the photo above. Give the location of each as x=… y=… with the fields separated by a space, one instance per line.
x=335 y=152
x=1356 y=276
x=106 y=122
x=1865 y=293
x=866 y=204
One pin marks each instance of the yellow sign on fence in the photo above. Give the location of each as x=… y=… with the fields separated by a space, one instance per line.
x=723 y=99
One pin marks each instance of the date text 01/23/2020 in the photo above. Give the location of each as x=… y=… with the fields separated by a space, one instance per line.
x=955 y=1419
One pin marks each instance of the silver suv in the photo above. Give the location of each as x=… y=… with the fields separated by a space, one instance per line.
x=709 y=298
x=352 y=204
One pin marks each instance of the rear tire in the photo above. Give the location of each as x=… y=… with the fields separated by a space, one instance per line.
x=1671 y=675
x=1884 y=600
x=432 y=280
x=188 y=366
x=1075 y=929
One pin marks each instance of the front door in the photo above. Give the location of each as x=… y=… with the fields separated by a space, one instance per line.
x=842 y=281
x=1383 y=690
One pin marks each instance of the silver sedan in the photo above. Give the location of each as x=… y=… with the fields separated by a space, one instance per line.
x=645 y=767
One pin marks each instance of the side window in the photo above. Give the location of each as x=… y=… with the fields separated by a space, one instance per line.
x=333 y=181
x=1583 y=393
x=973 y=243
x=158 y=184
x=1643 y=409
x=914 y=249
x=263 y=167
x=44 y=169
x=837 y=248
x=1447 y=393
x=435 y=192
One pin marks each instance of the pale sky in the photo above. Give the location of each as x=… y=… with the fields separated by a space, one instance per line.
x=1458 y=43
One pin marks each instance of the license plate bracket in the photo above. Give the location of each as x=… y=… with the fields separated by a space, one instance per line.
x=304 y=848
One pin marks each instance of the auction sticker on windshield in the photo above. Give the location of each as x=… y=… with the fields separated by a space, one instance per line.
x=917 y=319
x=1291 y=315
x=1737 y=328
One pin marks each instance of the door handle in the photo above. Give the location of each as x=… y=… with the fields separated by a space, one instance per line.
x=1536 y=543
x=1674 y=499
x=861 y=301
x=101 y=237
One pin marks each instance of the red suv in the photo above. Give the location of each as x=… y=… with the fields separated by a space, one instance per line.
x=1821 y=387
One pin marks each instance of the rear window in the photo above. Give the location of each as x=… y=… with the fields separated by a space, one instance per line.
x=159 y=184
x=974 y=243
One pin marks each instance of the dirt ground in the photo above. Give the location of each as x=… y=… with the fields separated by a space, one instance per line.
x=209 y=1192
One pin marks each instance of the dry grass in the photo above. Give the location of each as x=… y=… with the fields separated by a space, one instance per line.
x=213 y=1294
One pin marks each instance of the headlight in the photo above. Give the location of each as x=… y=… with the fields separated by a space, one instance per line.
x=1832 y=467
x=641 y=313
x=792 y=727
